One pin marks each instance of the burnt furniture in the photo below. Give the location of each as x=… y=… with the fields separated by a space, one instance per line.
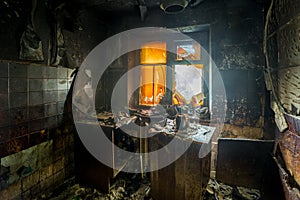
x=250 y=163
x=91 y=172
x=241 y=161
x=183 y=179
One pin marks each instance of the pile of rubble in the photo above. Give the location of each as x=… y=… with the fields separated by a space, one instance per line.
x=220 y=191
x=126 y=187
x=133 y=187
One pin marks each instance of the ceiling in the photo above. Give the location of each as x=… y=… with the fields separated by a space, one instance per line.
x=118 y=5
x=18 y=8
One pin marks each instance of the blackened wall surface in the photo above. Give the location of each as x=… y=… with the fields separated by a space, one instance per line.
x=79 y=43
x=236 y=30
x=36 y=130
x=15 y=17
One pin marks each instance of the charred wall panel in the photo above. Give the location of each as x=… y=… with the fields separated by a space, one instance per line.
x=289 y=145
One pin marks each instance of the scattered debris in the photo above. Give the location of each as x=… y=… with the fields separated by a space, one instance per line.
x=125 y=187
x=133 y=187
x=220 y=191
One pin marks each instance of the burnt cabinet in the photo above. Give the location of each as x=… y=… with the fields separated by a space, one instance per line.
x=91 y=172
x=183 y=179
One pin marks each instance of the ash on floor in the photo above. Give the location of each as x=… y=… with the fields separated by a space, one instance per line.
x=125 y=187
x=220 y=191
x=133 y=187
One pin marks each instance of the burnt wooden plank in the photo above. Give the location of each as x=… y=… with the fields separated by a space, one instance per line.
x=272 y=185
x=290 y=149
x=294 y=123
x=240 y=161
x=290 y=193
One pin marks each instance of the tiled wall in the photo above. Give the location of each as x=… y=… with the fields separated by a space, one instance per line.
x=36 y=137
x=32 y=101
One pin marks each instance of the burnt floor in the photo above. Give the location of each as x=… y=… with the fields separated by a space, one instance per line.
x=133 y=187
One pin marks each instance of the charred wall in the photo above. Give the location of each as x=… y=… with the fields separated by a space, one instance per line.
x=235 y=27
x=236 y=44
x=283 y=53
x=236 y=30
x=36 y=131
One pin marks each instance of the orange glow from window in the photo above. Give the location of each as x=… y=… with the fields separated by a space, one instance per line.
x=153 y=82
x=153 y=75
x=154 y=53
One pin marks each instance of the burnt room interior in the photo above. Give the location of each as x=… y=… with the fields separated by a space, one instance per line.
x=150 y=99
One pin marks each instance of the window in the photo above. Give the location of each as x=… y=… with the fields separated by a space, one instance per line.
x=188 y=51
x=153 y=74
x=188 y=83
x=153 y=84
x=188 y=77
x=186 y=80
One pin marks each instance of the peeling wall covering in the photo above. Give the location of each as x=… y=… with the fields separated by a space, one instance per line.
x=14 y=18
x=283 y=51
x=63 y=33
